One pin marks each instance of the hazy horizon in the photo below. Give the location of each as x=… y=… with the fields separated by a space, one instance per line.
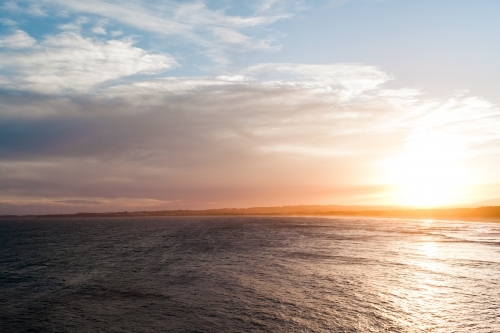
x=133 y=105
x=474 y=211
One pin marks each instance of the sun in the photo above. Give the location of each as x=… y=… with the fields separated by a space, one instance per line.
x=424 y=182
x=428 y=173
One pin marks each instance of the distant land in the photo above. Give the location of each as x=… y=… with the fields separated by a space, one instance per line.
x=478 y=213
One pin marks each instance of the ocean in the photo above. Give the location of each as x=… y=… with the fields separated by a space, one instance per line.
x=249 y=274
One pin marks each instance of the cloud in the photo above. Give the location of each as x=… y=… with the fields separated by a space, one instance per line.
x=336 y=3
x=8 y=22
x=79 y=202
x=10 y=5
x=33 y=9
x=353 y=79
x=299 y=135
x=99 y=30
x=70 y=62
x=214 y=30
x=36 y=10
x=18 y=40
x=76 y=25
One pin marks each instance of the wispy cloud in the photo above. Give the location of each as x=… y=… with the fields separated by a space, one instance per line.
x=10 y=5
x=31 y=9
x=336 y=3
x=70 y=62
x=352 y=79
x=17 y=40
x=211 y=29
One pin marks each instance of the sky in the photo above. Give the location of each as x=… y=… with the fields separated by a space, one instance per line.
x=150 y=105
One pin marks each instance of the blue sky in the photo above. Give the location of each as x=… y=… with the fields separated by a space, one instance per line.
x=437 y=45
x=165 y=104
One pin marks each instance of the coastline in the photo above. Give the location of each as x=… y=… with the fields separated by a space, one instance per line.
x=479 y=214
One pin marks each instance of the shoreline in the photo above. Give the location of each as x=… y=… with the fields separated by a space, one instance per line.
x=480 y=214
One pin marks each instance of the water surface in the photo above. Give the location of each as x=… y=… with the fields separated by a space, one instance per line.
x=249 y=274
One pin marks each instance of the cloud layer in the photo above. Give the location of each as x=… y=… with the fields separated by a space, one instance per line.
x=318 y=135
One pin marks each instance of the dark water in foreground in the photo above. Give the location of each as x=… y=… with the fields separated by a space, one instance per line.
x=249 y=274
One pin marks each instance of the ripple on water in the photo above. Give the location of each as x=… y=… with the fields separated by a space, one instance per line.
x=249 y=274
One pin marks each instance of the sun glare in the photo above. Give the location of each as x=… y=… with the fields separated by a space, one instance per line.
x=428 y=173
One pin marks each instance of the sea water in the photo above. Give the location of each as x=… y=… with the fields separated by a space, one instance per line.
x=249 y=274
